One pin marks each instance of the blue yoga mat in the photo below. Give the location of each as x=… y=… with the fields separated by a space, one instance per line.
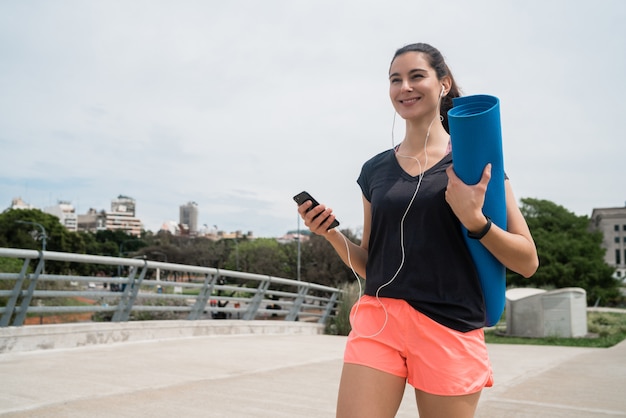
x=476 y=136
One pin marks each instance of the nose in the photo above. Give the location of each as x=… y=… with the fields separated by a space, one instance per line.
x=406 y=85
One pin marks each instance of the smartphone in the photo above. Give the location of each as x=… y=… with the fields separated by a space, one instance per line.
x=302 y=197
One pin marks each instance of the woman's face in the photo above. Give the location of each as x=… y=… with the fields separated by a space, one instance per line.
x=414 y=88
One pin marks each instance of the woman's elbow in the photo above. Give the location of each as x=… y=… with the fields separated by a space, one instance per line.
x=529 y=268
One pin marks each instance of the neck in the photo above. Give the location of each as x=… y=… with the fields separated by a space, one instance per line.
x=421 y=133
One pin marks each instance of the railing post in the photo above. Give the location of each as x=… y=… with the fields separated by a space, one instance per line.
x=203 y=296
x=120 y=305
x=297 y=304
x=17 y=289
x=127 y=300
x=21 y=315
x=255 y=302
x=330 y=306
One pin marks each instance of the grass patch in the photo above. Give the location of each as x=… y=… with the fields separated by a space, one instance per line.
x=605 y=330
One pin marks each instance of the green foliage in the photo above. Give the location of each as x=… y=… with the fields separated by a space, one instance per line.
x=261 y=256
x=340 y=323
x=18 y=235
x=10 y=265
x=321 y=264
x=570 y=255
x=14 y=234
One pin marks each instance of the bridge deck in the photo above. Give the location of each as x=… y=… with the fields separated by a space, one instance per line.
x=282 y=375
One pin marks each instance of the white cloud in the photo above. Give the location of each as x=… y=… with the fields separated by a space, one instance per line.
x=240 y=105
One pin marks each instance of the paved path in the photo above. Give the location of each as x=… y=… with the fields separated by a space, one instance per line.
x=283 y=376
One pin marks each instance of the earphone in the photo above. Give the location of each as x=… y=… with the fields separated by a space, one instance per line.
x=402 y=247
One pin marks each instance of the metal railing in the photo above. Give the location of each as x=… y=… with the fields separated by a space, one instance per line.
x=195 y=293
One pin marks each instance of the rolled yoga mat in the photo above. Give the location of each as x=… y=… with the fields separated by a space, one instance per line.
x=476 y=136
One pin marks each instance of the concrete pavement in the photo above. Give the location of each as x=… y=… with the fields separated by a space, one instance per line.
x=286 y=374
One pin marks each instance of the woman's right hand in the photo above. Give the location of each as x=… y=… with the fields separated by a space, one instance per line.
x=318 y=219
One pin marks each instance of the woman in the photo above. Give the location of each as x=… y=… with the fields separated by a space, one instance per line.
x=421 y=317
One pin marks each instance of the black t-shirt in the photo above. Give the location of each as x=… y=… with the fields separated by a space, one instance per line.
x=438 y=276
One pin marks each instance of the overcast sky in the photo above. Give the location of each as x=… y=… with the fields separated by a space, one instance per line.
x=239 y=105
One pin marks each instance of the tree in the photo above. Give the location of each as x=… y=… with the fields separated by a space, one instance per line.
x=261 y=256
x=321 y=264
x=23 y=235
x=15 y=233
x=570 y=255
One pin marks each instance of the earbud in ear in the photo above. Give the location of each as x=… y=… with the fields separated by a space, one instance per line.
x=443 y=90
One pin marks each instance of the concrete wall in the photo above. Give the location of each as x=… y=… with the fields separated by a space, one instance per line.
x=537 y=313
x=63 y=336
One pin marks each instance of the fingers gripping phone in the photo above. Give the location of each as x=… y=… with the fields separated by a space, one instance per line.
x=302 y=197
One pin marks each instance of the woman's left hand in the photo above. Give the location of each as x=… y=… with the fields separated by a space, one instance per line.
x=466 y=200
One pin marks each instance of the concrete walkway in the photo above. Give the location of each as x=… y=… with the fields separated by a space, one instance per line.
x=282 y=375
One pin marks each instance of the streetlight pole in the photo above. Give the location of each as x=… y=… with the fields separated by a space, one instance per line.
x=158 y=270
x=121 y=254
x=298 y=238
x=43 y=240
x=43 y=232
x=237 y=250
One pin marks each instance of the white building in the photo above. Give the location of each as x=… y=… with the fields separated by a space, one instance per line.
x=66 y=214
x=612 y=223
x=122 y=216
x=18 y=203
x=123 y=204
x=171 y=227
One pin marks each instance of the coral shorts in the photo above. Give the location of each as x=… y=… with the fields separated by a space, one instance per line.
x=399 y=340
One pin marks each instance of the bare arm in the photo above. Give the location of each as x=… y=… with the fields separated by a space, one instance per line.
x=353 y=255
x=513 y=247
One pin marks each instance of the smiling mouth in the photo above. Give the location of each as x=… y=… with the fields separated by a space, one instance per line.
x=409 y=101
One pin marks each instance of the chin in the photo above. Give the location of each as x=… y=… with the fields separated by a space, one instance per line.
x=406 y=115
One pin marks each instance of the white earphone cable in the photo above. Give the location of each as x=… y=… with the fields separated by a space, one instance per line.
x=402 y=247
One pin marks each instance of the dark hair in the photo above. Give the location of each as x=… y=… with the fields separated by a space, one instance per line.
x=438 y=63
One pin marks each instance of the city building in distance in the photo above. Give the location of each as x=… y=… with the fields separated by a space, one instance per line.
x=66 y=214
x=612 y=223
x=188 y=218
x=122 y=216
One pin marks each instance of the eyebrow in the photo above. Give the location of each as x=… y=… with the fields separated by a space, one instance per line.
x=415 y=70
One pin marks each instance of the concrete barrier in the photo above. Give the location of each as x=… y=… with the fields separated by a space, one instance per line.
x=63 y=336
